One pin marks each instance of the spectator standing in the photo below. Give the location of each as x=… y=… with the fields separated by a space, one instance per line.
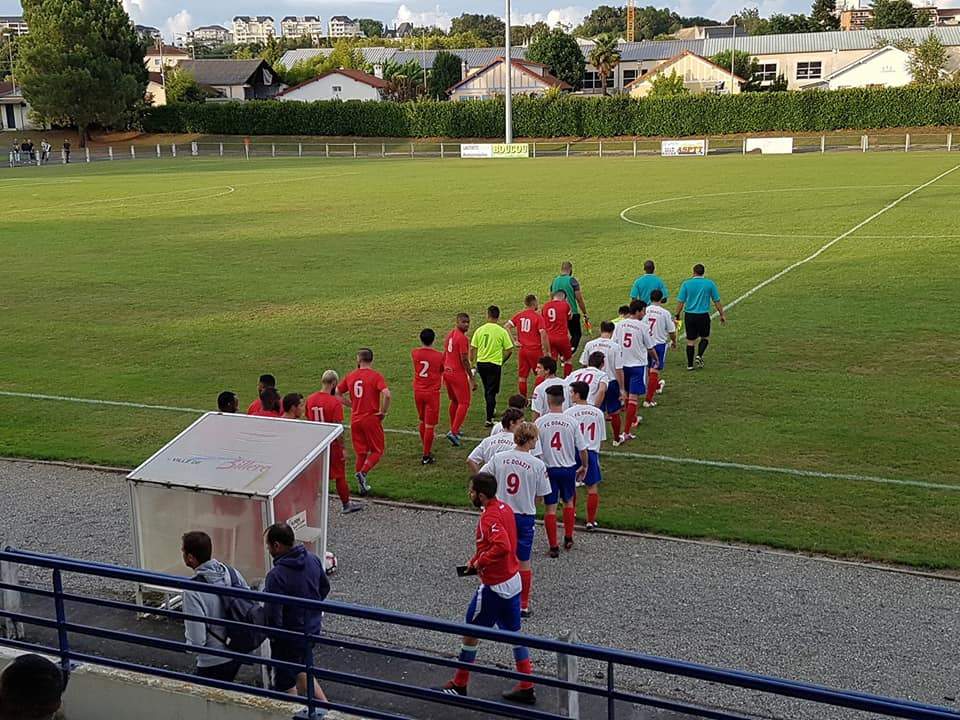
x=66 y=152
x=266 y=381
x=490 y=347
x=15 y=152
x=296 y=573
x=30 y=689
x=227 y=402
x=644 y=285
x=45 y=148
x=197 y=551
x=566 y=282
x=695 y=296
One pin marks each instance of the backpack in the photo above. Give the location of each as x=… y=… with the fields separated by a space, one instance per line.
x=237 y=639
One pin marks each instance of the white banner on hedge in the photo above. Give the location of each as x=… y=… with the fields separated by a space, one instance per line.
x=495 y=150
x=683 y=148
x=770 y=146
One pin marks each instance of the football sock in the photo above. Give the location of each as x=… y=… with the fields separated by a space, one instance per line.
x=550 y=524
x=372 y=460
x=631 y=415
x=453 y=413
x=689 y=355
x=522 y=658
x=569 y=519
x=526 y=582
x=653 y=382
x=343 y=490
x=522 y=387
x=567 y=369
x=420 y=428
x=359 y=464
x=428 y=434
x=703 y=346
x=593 y=502
x=468 y=654
x=615 y=424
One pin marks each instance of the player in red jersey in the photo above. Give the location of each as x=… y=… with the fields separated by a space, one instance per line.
x=458 y=376
x=427 y=379
x=292 y=405
x=497 y=600
x=366 y=393
x=324 y=406
x=270 y=404
x=263 y=383
x=529 y=332
x=556 y=316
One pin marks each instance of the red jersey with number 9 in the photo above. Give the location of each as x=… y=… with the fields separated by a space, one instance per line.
x=427 y=369
x=363 y=386
x=556 y=313
x=528 y=323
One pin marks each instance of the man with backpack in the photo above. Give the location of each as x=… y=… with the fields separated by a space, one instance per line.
x=198 y=556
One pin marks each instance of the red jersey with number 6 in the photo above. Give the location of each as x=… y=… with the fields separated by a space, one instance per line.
x=556 y=313
x=427 y=369
x=364 y=386
x=529 y=323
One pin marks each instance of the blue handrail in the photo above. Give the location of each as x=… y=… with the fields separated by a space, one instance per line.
x=611 y=657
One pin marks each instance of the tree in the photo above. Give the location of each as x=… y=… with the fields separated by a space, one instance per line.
x=272 y=51
x=651 y=22
x=605 y=57
x=744 y=66
x=780 y=24
x=446 y=71
x=824 y=14
x=182 y=86
x=523 y=34
x=602 y=19
x=405 y=81
x=667 y=86
x=82 y=63
x=779 y=84
x=897 y=14
x=697 y=21
x=928 y=61
x=751 y=22
x=489 y=28
x=560 y=53
x=371 y=28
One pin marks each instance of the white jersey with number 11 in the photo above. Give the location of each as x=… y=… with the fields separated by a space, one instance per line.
x=592 y=424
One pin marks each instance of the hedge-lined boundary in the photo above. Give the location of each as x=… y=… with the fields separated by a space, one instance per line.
x=568 y=116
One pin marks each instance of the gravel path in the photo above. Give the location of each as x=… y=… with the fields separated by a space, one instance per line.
x=790 y=616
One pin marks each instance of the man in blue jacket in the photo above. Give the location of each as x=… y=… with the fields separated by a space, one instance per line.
x=297 y=573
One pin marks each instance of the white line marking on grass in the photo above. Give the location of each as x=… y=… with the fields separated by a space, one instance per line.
x=794 y=472
x=837 y=239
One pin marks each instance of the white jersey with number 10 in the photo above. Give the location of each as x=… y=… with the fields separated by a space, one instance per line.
x=521 y=479
x=612 y=355
x=560 y=440
x=592 y=424
x=593 y=377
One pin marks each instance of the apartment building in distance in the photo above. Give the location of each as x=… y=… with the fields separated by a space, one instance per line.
x=341 y=26
x=253 y=29
x=209 y=36
x=13 y=25
x=309 y=26
x=857 y=14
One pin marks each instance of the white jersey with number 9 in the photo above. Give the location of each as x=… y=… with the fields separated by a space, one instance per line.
x=521 y=479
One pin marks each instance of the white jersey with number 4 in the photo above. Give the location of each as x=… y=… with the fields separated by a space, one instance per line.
x=591 y=376
x=612 y=355
x=539 y=401
x=560 y=440
x=634 y=338
x=659 y=324
x=521 y=479
x=592 y=424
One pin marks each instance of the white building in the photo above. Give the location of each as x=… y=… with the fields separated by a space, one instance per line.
x=341 y=26
x=253 y=29
x=12 y=25
x=340 y=84
x=308 y=26
x=209 y=36
x=149 y=33
x=14 y=109
x=163 y=56
x=526 y=78
x=886 y=67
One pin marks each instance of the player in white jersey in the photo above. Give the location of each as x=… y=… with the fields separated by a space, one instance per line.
x=594 y=376
x=613 y=364
x=562 y=444
x=521 y=479
x=662 y=329
x=498 y=443
x=594 y=428
x=546 y=378
x=638 y=353
x=516 y=401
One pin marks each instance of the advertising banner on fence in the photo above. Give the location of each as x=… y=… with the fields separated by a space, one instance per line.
x=770 y=146
x=683 y=148
x=495 y=150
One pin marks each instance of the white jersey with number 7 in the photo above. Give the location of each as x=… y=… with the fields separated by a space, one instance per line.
x=560 y=439
x=521 y=479
x=659 y=324
x=592 y=424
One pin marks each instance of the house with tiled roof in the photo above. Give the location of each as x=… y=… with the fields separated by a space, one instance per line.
x=526 y=78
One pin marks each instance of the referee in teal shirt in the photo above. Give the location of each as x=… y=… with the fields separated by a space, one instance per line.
x=695 y=296
x=647 y=283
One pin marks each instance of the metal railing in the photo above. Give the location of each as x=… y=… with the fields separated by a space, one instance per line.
x=608 y=694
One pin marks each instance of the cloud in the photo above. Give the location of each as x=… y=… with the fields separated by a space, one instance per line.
x=136 y=9
x=568 y=17
x=177 y=24
x=422 y=19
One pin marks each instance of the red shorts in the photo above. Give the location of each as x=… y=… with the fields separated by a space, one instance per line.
x=458 y=388
x=560 y=348
x=338 y=462
x=367 y=435
x=428 y=406
x=527 y=362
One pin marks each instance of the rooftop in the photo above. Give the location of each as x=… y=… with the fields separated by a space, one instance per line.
x=222 y=72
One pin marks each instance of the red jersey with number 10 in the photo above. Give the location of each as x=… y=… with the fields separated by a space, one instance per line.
x=454 y=348
x=364 y=386
x=427 y=369
x=556 y=313
x=528 y=323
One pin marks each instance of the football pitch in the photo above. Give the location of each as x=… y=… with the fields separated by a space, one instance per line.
x=165 y=282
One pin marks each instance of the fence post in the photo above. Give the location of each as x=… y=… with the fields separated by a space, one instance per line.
x=706 y=147
x=61 y=621
x=534 y=151
x=600 y=148
x=221 y=149
x=133 y=152
x=383 y=149
x=158 y=151
x=327 y=146
x=194 y=149
x=949 y=141
x=311 y=698
x=611 y=703
x=110 y=152
x=743 y=147
x=10 y=599
x=354 y=150
x=906 y=144
x=273 y=150
x=411 y=149
x=634 y=147
x=823 y=144
x=865 y=143
x=441 y=151
x=568 y=670
x=568 y=149
x=299 y=149
x=173 y=149
x=87 y=153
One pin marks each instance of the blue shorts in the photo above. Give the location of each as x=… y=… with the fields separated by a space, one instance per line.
x=611 y=401
x=525 y=529
x=661 y=355
x=563 y=482
x=487 y=609
x=635 y=378
x=593 y=468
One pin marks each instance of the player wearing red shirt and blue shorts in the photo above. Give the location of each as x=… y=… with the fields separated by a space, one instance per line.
x=556 y=314
x=427 y=379
x=592 y=424
x=638 y=352
x=561 y=442
x=458 y=376
x=325 y=407
x=497 y=600
x=366 y=393
x=530 y=333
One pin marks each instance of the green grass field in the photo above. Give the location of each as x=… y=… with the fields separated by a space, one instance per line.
x=166 y=282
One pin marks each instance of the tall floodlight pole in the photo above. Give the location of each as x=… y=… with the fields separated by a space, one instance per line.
x=508 y=60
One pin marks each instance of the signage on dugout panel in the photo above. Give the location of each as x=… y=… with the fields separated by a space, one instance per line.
x=495 y=150
x=683 y=148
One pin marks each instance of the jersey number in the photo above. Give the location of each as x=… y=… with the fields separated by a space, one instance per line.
x=513 y=483
x=653 y=324
x=627 y=340
x=555 y=442
x=552 y=314
x=424 y=367
x=592 y=431
x=450 y=345
x=525 y=325
x=587 y=378
x=358 y=389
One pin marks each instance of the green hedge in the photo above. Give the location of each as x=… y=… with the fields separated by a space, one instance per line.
x=568 y=116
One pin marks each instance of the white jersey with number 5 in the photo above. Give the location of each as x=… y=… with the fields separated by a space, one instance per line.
x=592 y=424
x=591 y=376
x=521 y=479
x=659 y=324
x=634 y=338
x=560 y=440
x=612 y=355
x=539 y=401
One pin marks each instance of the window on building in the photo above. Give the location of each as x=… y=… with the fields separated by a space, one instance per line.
x=766 y=73
x=337 y=88
x=629 y=76
x=591 y=81
x=812 y=70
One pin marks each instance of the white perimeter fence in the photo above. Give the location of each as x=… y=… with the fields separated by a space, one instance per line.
x=255 y=149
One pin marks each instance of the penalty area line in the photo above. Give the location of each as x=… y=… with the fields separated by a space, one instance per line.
x=720 y=464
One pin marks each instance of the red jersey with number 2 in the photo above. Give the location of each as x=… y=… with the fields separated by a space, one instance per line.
x=556 y=313
x=427 y=369
x=528 y=323
x=364 y=386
